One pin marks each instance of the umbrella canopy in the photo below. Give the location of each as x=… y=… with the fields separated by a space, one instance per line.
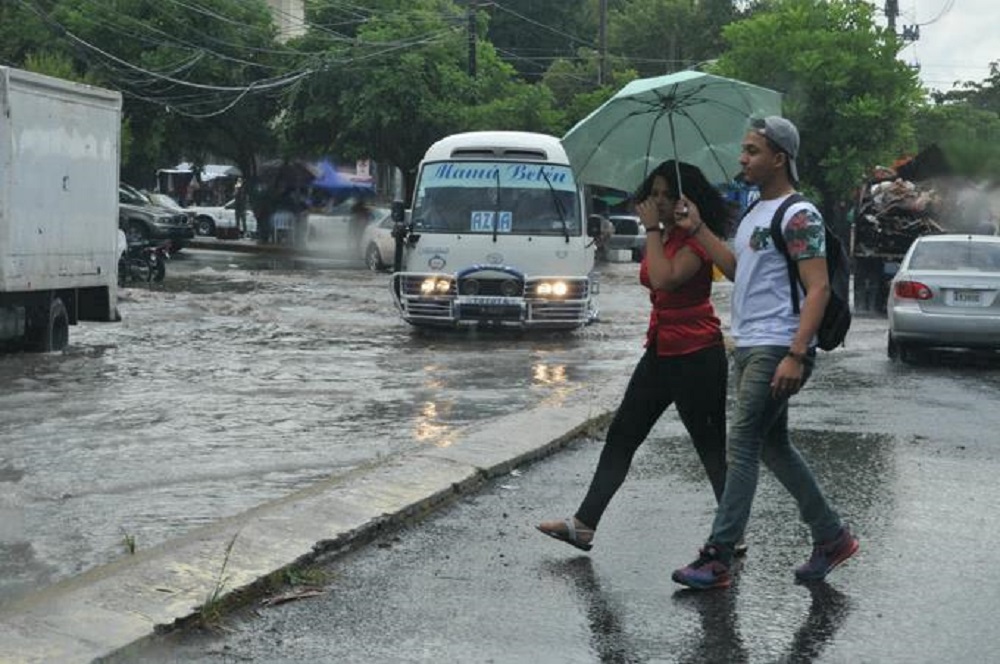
x=687 y=116
x=280 y=174
x=335 y=182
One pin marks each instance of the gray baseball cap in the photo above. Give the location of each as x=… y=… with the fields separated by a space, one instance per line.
x=783 y=134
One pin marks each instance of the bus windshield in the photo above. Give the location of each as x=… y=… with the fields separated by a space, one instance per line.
x=510 y=198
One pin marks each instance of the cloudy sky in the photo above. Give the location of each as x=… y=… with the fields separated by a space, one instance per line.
x=957 y=39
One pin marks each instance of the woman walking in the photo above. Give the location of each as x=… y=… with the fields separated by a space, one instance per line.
x=685 y=360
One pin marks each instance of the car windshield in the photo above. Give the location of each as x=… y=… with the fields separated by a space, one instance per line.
x=163 y=200
x=504 y=197
x=961 y=255
x=131 y=196
x=625 y=225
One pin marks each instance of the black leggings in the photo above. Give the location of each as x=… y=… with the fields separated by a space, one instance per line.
x=697 y=384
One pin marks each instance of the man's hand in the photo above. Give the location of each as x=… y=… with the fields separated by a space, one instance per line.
x=787 y=379
x=687 y=215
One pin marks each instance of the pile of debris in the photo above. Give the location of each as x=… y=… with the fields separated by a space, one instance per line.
x=893 y=213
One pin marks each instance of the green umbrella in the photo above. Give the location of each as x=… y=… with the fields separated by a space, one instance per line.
x=687 y=116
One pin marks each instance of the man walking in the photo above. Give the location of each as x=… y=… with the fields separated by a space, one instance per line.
x=774 y=355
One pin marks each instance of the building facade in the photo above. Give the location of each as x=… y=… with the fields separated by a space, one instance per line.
x=290 y=17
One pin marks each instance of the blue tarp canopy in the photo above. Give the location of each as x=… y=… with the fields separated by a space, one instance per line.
x=336 y=182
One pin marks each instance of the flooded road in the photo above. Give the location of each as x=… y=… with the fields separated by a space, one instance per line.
x=244 y=378
x=906 y=454
x=241 y=379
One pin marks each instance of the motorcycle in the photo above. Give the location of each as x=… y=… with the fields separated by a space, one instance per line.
x=143 y=262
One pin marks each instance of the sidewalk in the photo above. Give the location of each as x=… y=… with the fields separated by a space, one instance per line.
x=109 y=608
x=244 y=245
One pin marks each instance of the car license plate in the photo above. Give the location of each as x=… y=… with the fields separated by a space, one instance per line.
x=966 y=298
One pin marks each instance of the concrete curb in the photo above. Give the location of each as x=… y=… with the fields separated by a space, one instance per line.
x=117 y=606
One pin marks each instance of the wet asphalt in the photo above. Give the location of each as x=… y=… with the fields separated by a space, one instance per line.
x=907 y=454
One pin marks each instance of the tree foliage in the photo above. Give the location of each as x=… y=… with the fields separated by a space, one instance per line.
x=189 y=74
x=664 y=36
x=370 y=99
x=385 y=78
x=851 y=99
x=532 y=34
x=968 y=136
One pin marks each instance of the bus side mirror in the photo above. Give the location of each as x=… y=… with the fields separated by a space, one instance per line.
x=595 y=225
x=398 y=211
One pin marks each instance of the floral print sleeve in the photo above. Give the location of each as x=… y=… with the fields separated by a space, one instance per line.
x=805 y=236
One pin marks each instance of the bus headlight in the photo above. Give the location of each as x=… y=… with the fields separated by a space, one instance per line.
x=552 y=289
x=435 y=286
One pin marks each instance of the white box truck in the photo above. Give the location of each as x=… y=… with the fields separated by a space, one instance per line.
x=59 y=152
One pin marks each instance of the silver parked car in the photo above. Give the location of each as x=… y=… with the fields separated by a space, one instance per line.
x=946 y=294
x=629 y=235
x=377 y=243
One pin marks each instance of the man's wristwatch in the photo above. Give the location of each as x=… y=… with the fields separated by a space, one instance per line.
x=798 y=357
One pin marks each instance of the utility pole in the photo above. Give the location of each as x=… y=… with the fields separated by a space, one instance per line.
x=911 y=33
x=891 y=12
x=602 y=38
x=472 y=37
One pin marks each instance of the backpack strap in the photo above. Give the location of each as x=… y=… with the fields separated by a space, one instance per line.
x=779 y=242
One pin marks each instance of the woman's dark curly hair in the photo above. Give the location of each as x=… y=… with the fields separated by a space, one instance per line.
x=712 y=206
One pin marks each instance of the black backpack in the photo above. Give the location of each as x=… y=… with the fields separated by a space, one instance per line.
x=837 y=316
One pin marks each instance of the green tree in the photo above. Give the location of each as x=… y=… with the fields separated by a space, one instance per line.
x=402 y=82
x=652 y=34
x=983 y=95
x=851 y=99
x=574 y=84
x=968 y=136
x=196 y=80
x=531 y=34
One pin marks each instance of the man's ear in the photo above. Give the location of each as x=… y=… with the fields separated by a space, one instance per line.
x=782 y=160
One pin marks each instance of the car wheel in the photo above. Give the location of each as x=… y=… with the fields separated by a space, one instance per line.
x=373 y=259
x=898 y=350
x=907 y=353
x=205 y=226
x=136 y=232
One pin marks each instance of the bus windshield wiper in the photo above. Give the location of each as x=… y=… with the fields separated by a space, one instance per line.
x=558 y=202
x=496 y=211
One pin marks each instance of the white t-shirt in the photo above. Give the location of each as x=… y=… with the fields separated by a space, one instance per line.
x=762 y=312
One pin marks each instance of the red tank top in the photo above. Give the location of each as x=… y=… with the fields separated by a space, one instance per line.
x=682 y=321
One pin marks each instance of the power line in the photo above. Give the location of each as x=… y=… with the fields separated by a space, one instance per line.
x=544 y=26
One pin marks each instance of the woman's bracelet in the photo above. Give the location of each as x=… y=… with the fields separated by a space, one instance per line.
x=654 y=229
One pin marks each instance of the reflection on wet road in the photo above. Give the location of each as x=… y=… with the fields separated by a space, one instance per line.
x=905 y=452
x=241 y=379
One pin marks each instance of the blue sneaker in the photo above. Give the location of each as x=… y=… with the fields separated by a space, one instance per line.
x=705 y=573
x=827 y=555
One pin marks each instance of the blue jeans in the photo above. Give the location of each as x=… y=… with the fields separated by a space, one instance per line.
x=759 y=431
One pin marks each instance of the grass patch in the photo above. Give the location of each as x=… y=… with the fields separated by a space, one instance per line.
x=211 y=612
x=128 y=542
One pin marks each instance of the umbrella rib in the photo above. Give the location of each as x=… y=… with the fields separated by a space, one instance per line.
x=704 y=138
x=649 y=142
x=602 y=139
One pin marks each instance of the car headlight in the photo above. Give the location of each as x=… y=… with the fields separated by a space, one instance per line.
x=435 y=286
